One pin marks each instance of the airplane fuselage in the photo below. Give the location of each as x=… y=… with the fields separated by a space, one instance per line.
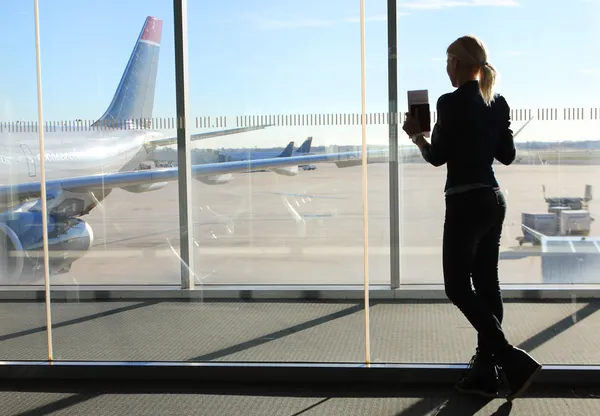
x=70 y=154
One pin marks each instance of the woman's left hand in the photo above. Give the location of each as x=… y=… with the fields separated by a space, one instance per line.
x=411 y=125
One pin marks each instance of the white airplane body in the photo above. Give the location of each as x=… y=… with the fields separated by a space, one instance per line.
x=69 y=154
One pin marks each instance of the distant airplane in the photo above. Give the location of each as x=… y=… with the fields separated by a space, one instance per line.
x=83 y=167
x=229 y=156
x=289 y=151
x=224 y=156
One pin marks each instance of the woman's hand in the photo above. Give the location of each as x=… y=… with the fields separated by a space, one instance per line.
x=411 y=125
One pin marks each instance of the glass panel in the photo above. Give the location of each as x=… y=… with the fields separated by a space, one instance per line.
x=23 y=333
x=556 y=150
x=108 y=99
x=377 y=137
x=128 y=102
x=273 y=64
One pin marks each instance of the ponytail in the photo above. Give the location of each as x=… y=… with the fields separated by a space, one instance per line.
x=472 y=53
x=486 y=83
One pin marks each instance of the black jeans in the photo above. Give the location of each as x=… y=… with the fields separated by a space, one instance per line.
x=471 y=246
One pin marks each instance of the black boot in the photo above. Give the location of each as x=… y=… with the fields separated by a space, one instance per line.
x=481 y=377
x=519 y=370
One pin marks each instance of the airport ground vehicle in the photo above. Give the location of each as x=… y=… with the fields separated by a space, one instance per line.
x=569 y=255
x=566 y=216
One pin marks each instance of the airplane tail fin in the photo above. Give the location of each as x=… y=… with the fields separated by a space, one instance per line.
x=287 y=152
x=134 y=97
x=305 y=148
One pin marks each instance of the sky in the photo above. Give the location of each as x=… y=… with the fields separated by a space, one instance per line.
x=294 y=57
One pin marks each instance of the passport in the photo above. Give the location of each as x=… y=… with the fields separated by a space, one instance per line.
x=418 y=107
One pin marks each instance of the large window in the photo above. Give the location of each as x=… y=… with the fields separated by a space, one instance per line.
x=145 y=266
x=556 y=150
x=297 y=69
x=93 y=74
x=548 y=77
x=104 y=88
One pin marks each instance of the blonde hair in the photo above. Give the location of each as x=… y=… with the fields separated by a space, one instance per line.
x=471 y=51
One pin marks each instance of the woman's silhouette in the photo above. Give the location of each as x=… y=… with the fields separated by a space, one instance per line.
x=473 y=129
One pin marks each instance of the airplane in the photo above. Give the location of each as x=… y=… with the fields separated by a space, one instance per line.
x=288 y=151
x=251 y=155
x=114 y=145
x=220 y=156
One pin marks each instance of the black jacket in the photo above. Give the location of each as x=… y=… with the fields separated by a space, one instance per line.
x=468 y=135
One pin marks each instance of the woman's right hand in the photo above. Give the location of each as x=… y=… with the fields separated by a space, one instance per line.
x=411 y=125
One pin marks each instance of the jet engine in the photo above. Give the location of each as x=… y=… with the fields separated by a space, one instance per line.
x=287 y=171
x=145 y=187
x=215 y=179
x=21 y=244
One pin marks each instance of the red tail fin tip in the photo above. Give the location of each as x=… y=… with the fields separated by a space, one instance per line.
x=152 y=30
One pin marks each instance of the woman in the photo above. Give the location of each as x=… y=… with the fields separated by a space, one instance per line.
x=473 y=129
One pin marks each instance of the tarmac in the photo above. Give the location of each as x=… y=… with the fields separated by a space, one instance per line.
x=264 y=228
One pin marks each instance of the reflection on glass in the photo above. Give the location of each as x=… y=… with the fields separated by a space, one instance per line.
x=111 y=161
x=299 y=224
x=23 y=332
x=106 y=228
x=113 y=217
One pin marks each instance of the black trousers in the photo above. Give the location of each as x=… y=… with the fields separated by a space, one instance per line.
x=471 y=246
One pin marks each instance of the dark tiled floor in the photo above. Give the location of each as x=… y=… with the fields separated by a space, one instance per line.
x=405 y=332
x=277 y=401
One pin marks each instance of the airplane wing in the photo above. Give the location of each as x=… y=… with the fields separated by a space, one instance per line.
x=403 y=152
x=522 y=127
x=122 y=179
x=168 y=141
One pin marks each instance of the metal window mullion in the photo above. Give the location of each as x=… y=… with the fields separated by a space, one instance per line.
x=393 y=121
x=183 y=145
x=365 y=182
